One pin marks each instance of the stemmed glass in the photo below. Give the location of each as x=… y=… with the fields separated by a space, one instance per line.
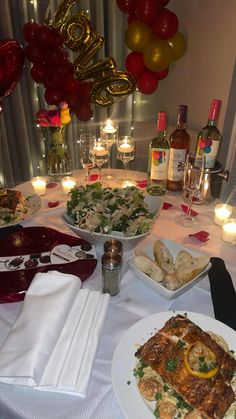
x=193 y=176
x=99 y=154
x=85 y=142
x=125 y=153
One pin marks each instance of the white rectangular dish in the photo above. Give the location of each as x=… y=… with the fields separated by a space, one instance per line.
x=157 y=286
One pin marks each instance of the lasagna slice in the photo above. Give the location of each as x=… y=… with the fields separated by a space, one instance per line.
x=193 y=364
x=12 y=205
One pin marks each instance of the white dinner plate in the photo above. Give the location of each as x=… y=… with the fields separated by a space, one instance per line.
x=157 y=286
x=34 y=204
x=132 y=404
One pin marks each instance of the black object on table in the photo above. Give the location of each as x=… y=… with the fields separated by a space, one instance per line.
x=223 y=293
x=5 y=231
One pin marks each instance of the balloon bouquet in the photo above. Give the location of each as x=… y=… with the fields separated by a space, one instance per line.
x=152 y=36
x=80 y=83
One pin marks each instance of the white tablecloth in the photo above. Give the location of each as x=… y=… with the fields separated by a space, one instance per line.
x=134 y=302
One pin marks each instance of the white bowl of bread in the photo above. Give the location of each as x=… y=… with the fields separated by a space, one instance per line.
x=169 y=268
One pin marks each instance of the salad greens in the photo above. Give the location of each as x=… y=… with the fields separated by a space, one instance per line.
x=105 y=210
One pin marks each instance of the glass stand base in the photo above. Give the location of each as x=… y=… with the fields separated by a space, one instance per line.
x=126 y=182
x=185 y=221
x=109 y=176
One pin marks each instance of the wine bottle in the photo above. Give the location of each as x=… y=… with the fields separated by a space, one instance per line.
x=209 y=137
x=158 y=158
x=179 y=148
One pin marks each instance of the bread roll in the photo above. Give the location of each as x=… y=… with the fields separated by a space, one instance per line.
x=186 y=272
x=163 y=257
x=182 y=258
x=149 y=267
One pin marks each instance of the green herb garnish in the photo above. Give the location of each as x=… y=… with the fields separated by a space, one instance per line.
x=171 y=364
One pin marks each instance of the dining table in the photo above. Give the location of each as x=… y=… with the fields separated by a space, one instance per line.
x=135 y=301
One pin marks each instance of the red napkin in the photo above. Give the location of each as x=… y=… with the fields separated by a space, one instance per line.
x=51 y=185
x=93 y=177
x=202 y=236
x=53 y=204
x=185 y=208
x=141 y=183
x=166 y=205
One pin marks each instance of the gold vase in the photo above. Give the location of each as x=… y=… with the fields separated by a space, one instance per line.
x=58 y=155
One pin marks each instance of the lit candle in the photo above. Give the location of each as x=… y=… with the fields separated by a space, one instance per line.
x=125 y=147
x=99 y=150
x=39 y=184
x=222 y=213
x=68 y=183
x=109 y=127
x=229 y=231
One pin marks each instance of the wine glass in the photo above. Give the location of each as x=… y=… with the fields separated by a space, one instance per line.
x=125 y=153
x=85 y=142
x=99 y=154
x=193 y=176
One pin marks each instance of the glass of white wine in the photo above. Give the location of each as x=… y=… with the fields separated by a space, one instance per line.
x=85 y=142
x=193 y=177
x=99 y=154
x=125 y=153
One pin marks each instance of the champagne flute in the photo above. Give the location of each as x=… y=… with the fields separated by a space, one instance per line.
x=99 y=154
x=85 y=142
x=193 y=176
x=109 y=132
x=125 y=153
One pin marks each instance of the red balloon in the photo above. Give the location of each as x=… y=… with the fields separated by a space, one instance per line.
x=44 y=37
x=134 y=63
x=84 y=112
x=53 y=95
x=56 y=56
x=85 y=91
x=29 y=31
x=132 y=17
x=70 y=84
x=147 y=10
x=162 y=74
x=34 y=53
x=165 y=24
x=147 y=82
x=53 y=77
x=126 y=6
x=57 y=38
x=73 y=101
x=12 y=59
x=164 y=2
x=38 y=72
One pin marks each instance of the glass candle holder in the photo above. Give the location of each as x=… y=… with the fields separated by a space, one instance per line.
x=68 y=183
x=228 y=234
x=222 y=213
x=39 y=185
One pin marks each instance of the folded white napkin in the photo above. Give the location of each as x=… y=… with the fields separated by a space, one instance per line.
x=53 y=342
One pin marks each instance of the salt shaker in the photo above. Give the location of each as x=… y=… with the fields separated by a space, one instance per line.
x=111 y=273
x=113 y=245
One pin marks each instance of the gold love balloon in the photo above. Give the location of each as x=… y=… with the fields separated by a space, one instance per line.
x=137 y=36
x=79 y=35
x=157 y=55
x=178 y=45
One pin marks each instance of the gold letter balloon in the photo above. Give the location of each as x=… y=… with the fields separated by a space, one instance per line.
x=79 y=35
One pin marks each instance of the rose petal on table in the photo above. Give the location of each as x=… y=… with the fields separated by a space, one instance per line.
x=203 y=236
x=166 y=205
x=51 y=185
x=53 y=204
x=141 y=183
x=93 y=177
x=185 y=208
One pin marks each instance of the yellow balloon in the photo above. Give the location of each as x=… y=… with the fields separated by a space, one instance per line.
x=178 y=45
x=137 y=35
x=157 y=55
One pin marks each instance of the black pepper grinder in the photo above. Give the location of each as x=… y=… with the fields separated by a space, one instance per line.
x=111 y=273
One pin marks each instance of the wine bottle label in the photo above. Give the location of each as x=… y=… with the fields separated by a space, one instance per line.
x=176 y=156
x=210 y=148
x=159 y=163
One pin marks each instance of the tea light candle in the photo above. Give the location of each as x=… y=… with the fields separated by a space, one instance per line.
x=39 y=185
x=229 y=231
x=68 y=183
x=109 y=128
x=99 y=150
x=222 y=213
x=125 y=147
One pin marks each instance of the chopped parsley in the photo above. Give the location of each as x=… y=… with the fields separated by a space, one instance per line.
x=166 y=388
x=138 y=371
x=204 y=367
x=158 y=396
x=181 y=343
x=128 y=382
x=171 y=364
x=156 y=412
x=181 y=403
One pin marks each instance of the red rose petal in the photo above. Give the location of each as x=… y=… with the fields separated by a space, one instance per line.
x=166 y=205
x=51 y=185
x=141 y=183
x=93 y=177
x=203 y=236
x=53 y=204
x=185 y=208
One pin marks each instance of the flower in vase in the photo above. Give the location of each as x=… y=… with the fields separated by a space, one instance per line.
x=54 y=117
